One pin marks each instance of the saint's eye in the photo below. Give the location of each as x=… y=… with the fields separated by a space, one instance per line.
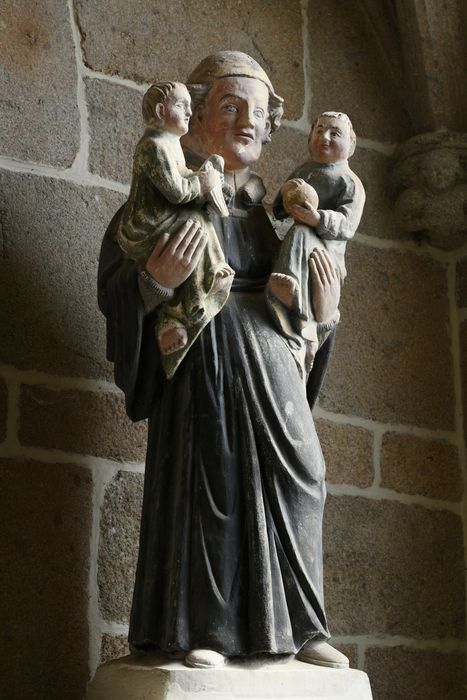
x=335 y=133
x=230 y=108
x=259 y=113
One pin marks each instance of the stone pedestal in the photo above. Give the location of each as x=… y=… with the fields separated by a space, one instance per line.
x=152 y=678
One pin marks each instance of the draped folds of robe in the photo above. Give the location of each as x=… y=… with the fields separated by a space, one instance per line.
x=230 y=548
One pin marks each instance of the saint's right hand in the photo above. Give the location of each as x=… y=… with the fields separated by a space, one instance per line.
x=175 y=257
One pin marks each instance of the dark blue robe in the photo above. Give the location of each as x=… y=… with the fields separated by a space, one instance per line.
x=230 y=550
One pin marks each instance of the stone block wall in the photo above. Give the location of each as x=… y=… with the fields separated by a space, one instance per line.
x=71 y=464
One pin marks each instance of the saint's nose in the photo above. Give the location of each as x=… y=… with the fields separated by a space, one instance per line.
x=246 y=118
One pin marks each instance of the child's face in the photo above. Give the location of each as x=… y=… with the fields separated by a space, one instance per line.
x=330 y=140
x=177 y=110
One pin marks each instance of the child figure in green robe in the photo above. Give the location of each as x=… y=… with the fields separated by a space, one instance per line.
x=164 y=194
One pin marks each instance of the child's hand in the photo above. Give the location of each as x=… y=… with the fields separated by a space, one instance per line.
x=309 y=216
x=209 y=179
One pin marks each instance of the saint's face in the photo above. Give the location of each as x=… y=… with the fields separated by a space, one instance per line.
x=330 y=140
x=177 y=110
x=233 y=122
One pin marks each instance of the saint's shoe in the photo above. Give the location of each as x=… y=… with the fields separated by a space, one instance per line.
x=322 y=654
x=204 y=658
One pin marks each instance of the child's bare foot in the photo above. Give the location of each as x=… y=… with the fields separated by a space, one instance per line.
x=284 y=288
x=172 y=340
x=223 y=278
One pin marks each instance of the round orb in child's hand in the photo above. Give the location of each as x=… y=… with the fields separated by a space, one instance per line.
x=297 y=191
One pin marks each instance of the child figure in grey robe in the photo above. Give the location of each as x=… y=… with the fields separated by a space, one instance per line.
x=326 y=179
x=164 y=194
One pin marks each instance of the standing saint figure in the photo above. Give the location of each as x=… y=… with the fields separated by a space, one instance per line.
x=230 y=560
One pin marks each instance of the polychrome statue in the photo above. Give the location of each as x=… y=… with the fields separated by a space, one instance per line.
x=230 y=560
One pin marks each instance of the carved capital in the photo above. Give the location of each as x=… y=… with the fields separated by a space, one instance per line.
x=430 y=182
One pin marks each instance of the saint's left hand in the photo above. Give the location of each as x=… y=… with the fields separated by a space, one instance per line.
x=325 y=284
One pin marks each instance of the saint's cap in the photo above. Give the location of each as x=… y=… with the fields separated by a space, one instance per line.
x=226 y=64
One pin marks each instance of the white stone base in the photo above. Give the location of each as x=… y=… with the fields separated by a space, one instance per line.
x=154 y=678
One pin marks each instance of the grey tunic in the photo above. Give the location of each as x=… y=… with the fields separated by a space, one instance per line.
x=341 y=200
